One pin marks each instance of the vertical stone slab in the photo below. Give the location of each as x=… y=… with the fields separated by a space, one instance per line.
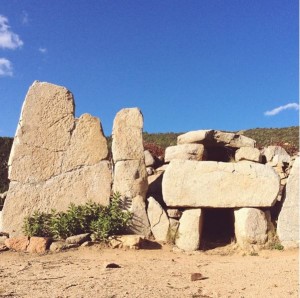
x=288 y=220
x=158 y=219
x=250 y=226
x=130 y=176
x=55 y=159
x=190 y=228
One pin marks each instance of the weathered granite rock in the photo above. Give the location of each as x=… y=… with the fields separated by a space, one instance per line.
x=288 y=220
x=276 y=155
x=78 y=187
x=127 y=135
x=216 y=138
x=219 y=185
x=127 y=241
x=149 y=160
x=17 y=243
x=197 y=136
x=78 y=239
x=250 y=226
x=248 y=153
x=55 y=159
x=88 y=145
x=190 y=229
x=60 y=246
x=130 y=175
x=158 y=219
x=185 y=151
x=38 y=244
x=229 y=139
x=130 y=178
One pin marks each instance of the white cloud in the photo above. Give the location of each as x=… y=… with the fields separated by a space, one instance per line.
x=6 y=69
x=294 y=106
x=43 y=50
x=8 y=39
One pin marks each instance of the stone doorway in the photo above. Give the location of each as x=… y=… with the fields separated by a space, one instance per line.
x=218 y=228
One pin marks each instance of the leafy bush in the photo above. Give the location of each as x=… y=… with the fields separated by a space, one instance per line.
x=89 y=218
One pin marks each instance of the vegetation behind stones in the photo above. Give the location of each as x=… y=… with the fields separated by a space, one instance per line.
x=102 y=221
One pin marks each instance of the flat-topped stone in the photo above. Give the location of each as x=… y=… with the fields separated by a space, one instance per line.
x=189 y=183
x=185 y=151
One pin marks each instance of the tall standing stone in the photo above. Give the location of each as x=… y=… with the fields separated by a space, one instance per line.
x=55 y=159
x=288 y=220
x=130 y=176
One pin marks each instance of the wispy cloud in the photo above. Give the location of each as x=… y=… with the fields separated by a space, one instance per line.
x=293 y=106
x=43 y=50
x=8 y=39
x=6 y=69
x=25 y=18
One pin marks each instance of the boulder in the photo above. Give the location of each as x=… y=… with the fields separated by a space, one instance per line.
x=216 y=138
x=38 y=244
x=229 y=139
x=250 y=226
x=130 y=175
x=158 y=219
x=174 y=213
x=149 y=160
x=288 y=220
x=127 y=241
x=185 y=151
x=276 y=155
x=190 y=228
x=197 y=136
x=55 y=158
x=248 y=153
x=189 y=183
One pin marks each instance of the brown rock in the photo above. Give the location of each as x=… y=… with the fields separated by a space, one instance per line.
x=17 y=243
x=38 y=244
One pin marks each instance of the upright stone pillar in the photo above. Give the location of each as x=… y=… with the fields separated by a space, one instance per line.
x=130 y=176
x=288 y=220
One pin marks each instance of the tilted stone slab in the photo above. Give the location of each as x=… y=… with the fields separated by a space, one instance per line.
x=196 y=136
x=288 y=220
x=189 y=183
x=185 y=151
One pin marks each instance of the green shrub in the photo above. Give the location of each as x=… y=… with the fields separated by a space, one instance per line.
x=89 y=218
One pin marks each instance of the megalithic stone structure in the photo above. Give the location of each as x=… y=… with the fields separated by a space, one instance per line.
x=130 y=176
x=55 y=159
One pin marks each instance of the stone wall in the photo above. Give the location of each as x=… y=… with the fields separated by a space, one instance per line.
x=57 y=159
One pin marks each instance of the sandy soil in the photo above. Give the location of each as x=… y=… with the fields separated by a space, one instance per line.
x=149 y=273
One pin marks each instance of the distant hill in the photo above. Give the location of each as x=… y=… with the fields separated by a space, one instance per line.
x=287 y=137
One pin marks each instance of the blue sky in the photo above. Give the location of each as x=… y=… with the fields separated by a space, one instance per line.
x=186 y=64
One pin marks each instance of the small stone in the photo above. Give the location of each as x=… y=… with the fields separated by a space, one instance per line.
x=174 y=213
x=58 y=246
x=78 y=239
x=111 y=265
x=150 y=171
x=86 y=244
x=149 y=160
x=196 y=276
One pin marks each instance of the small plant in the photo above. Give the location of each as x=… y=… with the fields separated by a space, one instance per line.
x=88 y=218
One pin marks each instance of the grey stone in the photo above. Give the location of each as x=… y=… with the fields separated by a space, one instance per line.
x=190 y=229
x=78 y=239
x=189 y=183
x=158 y=219
x=288 y=220
x=185 y=151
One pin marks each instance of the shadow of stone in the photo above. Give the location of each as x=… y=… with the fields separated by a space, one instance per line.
x=149 y=244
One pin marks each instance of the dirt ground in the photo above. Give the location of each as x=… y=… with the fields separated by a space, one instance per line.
x=149 y=273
